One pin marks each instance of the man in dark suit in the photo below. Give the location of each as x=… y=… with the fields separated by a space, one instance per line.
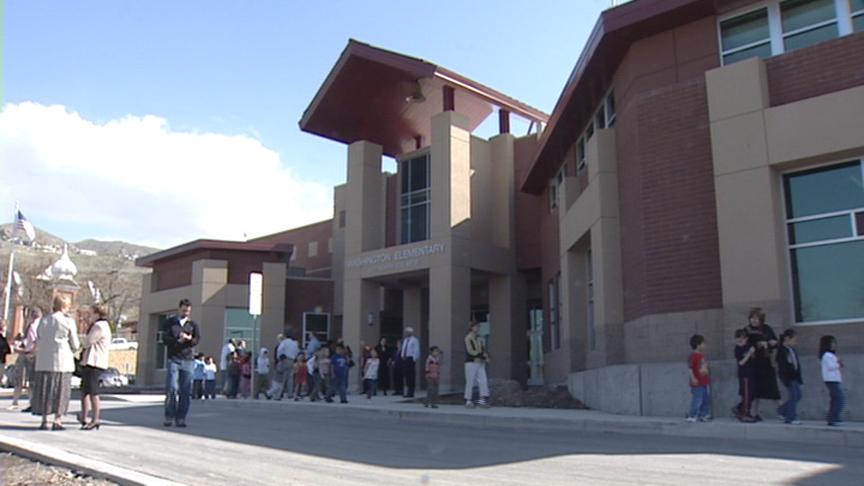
x=180 y=336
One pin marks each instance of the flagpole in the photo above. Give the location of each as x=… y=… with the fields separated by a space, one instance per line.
x=9 y=273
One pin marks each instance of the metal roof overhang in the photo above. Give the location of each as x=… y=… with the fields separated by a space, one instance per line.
x=365 y=97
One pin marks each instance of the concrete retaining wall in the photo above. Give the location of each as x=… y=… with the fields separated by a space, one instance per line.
x=662 y=390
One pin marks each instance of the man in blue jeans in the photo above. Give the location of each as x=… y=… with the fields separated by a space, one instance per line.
x=180 y=336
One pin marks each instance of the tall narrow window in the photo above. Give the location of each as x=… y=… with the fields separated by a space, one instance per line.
x=610 y=108
x=589 y=287
x=580 y=155
x=825 y=213
x=807 y=22
x=857 y=7
x=415 y=204
x=553 y=313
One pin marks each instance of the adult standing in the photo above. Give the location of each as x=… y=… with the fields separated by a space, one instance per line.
x=764 y=340
x=181 y=335
x=475 y=366
x=385 y=354
x=312 y=344
x=26 y=362
x=5 y=348
x=289 y=348
x=225 y=355
x=55 y=362
x=396 y=367
x=410 y=355
x=262 y=373
x=94 y=361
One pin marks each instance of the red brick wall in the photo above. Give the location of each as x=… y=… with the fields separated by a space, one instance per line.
x=817 y=70
x=177 y=272
x=303 y=295
x=173 y=272
x=528 y=207
x=300 y=238
x=670 y=254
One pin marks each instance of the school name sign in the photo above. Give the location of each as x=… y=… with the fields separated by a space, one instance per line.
x=397 y=259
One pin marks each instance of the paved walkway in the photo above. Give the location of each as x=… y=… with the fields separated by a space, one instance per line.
x=385 y=442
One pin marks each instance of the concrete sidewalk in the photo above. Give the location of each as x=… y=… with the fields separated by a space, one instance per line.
x=341 y=442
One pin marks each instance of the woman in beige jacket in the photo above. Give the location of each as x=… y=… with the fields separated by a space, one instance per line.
x=94 y=361
x=55 y=362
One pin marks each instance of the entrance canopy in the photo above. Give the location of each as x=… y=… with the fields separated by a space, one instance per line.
x=389 y=98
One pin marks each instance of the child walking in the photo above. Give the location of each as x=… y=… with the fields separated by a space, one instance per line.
x=833 y=379
x=339 y=367
x=300 y=376
x=262 y=374
x=198 y=377
x=744 y=352
x=700 y=404
x=433 y=373
x=370 y=374
x=210 y=371
x=789 y=372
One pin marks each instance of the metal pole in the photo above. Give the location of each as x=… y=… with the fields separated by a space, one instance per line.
x=9 y=285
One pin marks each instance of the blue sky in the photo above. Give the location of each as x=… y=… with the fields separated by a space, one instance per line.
x=245 y=69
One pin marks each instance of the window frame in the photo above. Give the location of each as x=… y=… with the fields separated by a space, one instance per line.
x=789 y=247
x=409 y=194
x=776 y=37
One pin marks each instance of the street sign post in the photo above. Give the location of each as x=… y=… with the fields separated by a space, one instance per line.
x=256 y=290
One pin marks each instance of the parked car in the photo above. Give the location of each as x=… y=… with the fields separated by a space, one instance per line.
x=113 y=377
x=123 y=343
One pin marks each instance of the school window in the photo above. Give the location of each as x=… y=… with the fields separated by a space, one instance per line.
x=415 y=204
x=580 y=155
x=775 y=27
x=589 y=285
x=239 y=324
x=313 y=249
x=610 y=108
x=857 y=7
x=825 y=225
x=341 y=219
x=161 y=355
x=329 y=245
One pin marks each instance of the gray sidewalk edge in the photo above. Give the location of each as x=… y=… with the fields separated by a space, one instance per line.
x=91 y=467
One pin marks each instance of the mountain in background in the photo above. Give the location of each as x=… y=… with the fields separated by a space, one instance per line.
x=114 y=248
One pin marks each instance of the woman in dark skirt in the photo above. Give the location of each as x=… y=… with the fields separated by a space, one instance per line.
x=384 y=356
x=396 y=366
x=94 y=362
x=55 y=362
x=763 y=338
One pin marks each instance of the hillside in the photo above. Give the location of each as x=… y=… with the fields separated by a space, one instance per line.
x=115 y=248
x=110 y=266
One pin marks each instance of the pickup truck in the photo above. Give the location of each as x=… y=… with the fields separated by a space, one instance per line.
x=123 y=343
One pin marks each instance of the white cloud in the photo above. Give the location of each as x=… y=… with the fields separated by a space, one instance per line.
x=136 y=179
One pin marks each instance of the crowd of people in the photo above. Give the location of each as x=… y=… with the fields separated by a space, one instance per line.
x=49 y=352
x=757 y=348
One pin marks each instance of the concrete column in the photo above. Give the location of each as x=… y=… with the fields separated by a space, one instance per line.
x=449 y=312
x=361 y=298
x=412 y=316
x=608 y=295
x=364 y=199
x=209 y=283
x=503 y=192
x=451 y=174
x=273 y=305
x=504 y=316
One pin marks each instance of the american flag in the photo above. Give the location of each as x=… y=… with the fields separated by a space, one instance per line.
x=23 y=224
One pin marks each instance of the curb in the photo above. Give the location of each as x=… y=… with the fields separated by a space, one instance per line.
x=91 y=467
x=602 y=423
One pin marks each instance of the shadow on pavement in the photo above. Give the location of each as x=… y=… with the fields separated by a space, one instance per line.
x=330 y=432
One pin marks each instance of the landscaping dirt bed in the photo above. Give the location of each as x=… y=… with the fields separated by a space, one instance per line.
x=17 y=471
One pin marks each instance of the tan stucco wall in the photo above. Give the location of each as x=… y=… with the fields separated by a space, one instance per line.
x=753 y=143
x=210 y=294
x=590 y=219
